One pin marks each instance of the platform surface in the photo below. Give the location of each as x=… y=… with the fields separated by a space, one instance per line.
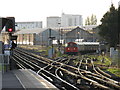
x=25 y=79
x=9 y=80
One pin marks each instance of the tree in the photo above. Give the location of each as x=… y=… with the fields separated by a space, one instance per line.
x=87 y=21
x=91 y=20
x=109 y=27
x=119 y=24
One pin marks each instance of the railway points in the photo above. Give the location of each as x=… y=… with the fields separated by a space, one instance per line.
x=63 y=74
x=67 y=72
x=61 y=57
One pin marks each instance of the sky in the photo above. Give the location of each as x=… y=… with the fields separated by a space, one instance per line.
x=38 y=10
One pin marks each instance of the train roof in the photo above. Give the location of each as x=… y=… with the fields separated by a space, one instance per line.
x=72 y=42
x=88 y=43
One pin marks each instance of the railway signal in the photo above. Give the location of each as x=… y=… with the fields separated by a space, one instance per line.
x=10 y=25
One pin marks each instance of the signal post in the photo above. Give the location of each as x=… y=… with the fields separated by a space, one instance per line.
x=9 y=24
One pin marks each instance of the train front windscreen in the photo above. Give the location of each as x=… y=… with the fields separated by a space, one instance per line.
x=71 y=48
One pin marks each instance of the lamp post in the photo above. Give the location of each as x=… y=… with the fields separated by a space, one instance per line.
x=51 y=38
x=51 y=41
x=59 y=29
x=59 y=37
x=78 y=36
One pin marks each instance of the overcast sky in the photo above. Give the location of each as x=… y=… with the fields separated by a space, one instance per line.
x=38 y=10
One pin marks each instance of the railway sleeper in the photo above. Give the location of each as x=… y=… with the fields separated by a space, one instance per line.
x=58 y=80
x=94 y=83
x=103 y=72
x=23 y=62
x=107 y=83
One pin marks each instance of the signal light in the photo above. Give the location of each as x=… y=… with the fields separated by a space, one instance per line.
x=10 y=30
x=10 y=25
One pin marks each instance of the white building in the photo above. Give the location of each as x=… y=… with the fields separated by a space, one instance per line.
x=66 y=20
x=53 y=21
x=28 y=25
x=71 y=20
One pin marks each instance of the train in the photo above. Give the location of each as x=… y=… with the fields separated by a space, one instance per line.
x=73 y=48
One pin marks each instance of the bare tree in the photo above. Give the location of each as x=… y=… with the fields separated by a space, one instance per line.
x=91 y=20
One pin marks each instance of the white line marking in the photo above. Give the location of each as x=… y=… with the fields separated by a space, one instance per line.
x=20 y=81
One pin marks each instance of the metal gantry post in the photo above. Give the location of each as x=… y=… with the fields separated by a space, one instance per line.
x=78 y=36
x=51 y=38
x=59 y=37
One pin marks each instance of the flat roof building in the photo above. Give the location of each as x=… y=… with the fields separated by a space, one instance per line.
x=28 y=25
x=53 y=21
x=66 y=20
x=71 y=20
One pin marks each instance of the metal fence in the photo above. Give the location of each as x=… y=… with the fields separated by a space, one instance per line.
x=4 y=62
x=115 y=58
x=4 y=66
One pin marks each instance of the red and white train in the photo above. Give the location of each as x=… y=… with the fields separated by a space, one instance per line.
x=73 y=48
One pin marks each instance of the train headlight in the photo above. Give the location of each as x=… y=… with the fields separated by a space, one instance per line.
x=68 y=48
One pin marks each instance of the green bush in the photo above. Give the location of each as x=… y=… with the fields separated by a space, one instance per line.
x=115 y=71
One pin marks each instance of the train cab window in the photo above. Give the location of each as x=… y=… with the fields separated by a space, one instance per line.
x=72 y=45
x=75 y=45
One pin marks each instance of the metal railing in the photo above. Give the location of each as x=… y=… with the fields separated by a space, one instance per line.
x=4 y=62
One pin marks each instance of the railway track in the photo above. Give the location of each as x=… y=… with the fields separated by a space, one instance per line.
x=41 y=66
x=100 y=78
x=63 y=75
